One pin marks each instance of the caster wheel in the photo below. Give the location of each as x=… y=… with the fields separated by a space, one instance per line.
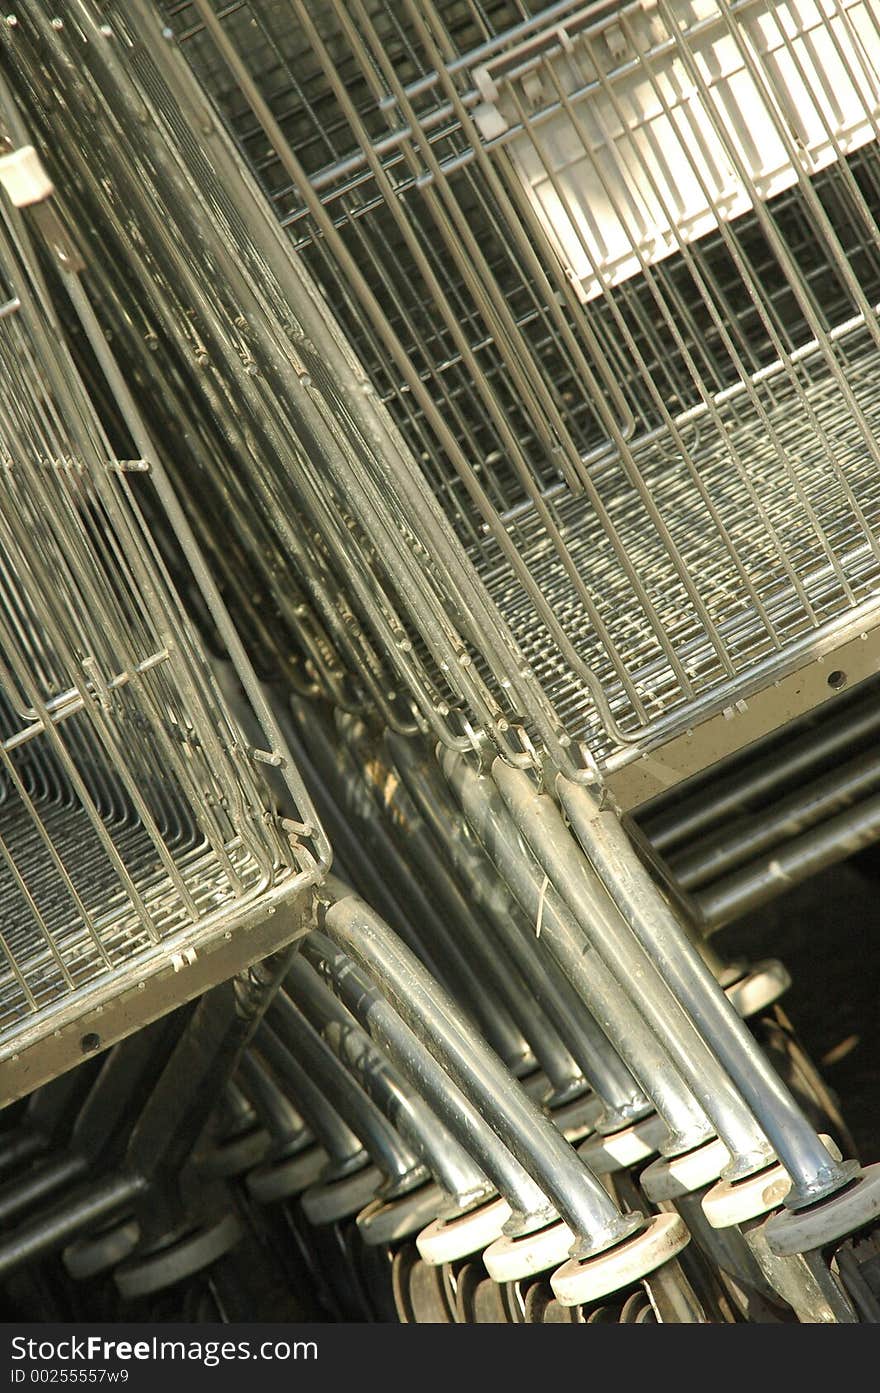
x=423 y=1295
x=334 y=1200
x=542 y=1308
x=511 y=1259
x=668 y=1178
x=637 y=1310
x=402 y=1264
x=577 y=1120
x=88 y=1257
x=142 y=1276
x=478 y=1300
x=236 y=1156
x=535 y=1083
x=587 y=1279
x=759 y=989
x=447 y=1239
x=803 y=1230
x=732 y=1202
x=620 y=1150
x=288 y=1177
x=388 y=1221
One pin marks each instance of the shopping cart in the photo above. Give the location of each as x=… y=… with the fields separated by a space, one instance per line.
x=143 y=859
x=613 y=269
x=452 y=565
x=325 y=637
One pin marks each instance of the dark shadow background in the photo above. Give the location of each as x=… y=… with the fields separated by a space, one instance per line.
x=826 y=932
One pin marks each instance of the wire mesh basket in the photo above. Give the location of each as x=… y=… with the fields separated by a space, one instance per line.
x=613 y=269
x=269 y=430
x=141 y=854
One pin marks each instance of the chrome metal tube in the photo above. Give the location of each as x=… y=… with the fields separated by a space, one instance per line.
x=385 y=1148
x=491 y=1158
x=271 y=1104
x=500 y=981
x=87 y=1207
x=430 y=932
x=608 y=1076
x=371 y=855
x=404 y=1107
x=786 y=866
x=814 y=1172
x=605 y=929
x=598 y=987
x=329 y=1130
x=747 y=837
x=37 y=1187
x=578 y=1196
x=717 y=797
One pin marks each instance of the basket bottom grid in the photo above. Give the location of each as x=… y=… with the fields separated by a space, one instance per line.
x=115 y=937
x=821 y=563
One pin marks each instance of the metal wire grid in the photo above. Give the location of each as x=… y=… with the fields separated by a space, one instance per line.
x=272 y=535
x=215 y=370
x=133 y=824
x=686 y=462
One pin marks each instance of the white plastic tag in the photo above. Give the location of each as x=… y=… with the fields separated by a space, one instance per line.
x=24 y=178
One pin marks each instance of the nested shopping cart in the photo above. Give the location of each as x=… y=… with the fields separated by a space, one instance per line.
x=142 y=858
x=734 y=531
x=586 y=568
x=174 y=798
x=341 y=643
x=613 y=269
